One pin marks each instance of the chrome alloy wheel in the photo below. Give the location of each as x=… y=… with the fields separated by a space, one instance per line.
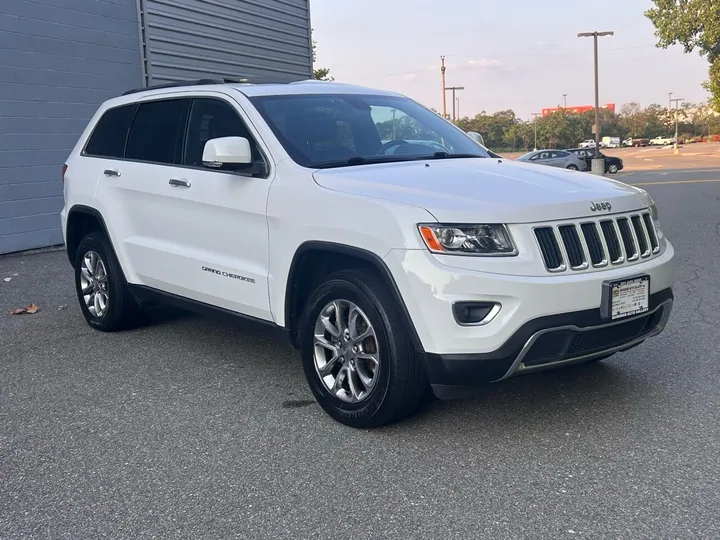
x=94 y=284
x=346 y=353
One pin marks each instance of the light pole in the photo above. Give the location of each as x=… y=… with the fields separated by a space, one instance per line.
x=565 y=98
x=598 y=164
x=453 y=88
x=677 y=101
x=535 y=125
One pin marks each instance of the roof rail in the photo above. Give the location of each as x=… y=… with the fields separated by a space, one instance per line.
x=200 y=82
x=173 y=85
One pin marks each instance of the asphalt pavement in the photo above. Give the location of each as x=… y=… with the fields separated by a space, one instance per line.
x=192 y=428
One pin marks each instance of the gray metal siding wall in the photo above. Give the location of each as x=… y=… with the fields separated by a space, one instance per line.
x=59 y=59
x=194 y=39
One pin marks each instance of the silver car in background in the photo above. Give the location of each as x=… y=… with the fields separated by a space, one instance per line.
x=555 y=158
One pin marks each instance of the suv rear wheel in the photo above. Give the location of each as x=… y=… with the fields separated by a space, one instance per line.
x=356 y=354
x=101 y=288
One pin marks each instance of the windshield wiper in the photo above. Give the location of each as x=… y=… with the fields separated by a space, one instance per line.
x=446 y=155
x=362 y=160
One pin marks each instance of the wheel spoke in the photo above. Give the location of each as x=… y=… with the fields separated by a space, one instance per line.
x=328 y=367
x=97 y=305
x=352 y=377
x=332 y=330
x=339 y=318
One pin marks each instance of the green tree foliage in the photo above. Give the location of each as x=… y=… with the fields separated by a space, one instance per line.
x=320 y=74
x=694 y=24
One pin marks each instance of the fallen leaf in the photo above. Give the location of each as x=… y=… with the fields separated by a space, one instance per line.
x=32 y=308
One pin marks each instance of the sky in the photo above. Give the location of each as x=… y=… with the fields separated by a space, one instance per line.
x=512 y=54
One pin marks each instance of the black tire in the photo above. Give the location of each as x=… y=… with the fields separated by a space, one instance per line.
x=402 y=388
x=612 y=168
x=122 y=311
x=572 y=167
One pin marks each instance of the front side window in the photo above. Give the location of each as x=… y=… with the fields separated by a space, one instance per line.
x=333 y=130
x=108 y=137
x=212 y=119
x=156 y=134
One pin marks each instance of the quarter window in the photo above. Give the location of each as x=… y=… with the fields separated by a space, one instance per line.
x=156 y=134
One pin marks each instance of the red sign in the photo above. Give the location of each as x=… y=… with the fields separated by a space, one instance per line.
x=580 y=109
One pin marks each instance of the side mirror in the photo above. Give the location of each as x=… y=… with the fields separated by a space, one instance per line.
x=475 y=136
x=232 y=153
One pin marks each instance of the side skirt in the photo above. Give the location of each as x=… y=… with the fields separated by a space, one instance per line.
x=148 y=296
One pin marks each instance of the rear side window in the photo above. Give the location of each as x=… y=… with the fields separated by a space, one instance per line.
x=157 y=133
x=108 y=137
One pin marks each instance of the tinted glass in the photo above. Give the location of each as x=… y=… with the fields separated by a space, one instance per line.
x=156 y=134
x=329 y=130
x=210 y=119
x=108 y=137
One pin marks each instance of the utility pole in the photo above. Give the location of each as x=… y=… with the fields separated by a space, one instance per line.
x=444 y=100
x=565 y=98
x=454 y=88
x=598 y=164
x=458 y=108
x=677 y=101
x=535 y=114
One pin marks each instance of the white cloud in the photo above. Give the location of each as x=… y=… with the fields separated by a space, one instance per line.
x=484 y=63
x=409 y=76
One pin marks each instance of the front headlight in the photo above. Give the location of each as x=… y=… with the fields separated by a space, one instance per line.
x=483 y=239
x=653 y=211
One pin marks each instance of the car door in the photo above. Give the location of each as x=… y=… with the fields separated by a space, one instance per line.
x=220 y=216
x=186 y=230
x=557 y=159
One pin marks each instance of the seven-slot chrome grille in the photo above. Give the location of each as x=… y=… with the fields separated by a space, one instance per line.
x=597 y=242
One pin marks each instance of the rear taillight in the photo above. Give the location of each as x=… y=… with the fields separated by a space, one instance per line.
x=64 y=169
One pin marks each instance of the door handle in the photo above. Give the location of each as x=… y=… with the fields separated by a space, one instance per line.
x=176 y=182
x=111 y=172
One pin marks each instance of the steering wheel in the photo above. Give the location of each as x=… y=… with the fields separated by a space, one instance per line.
x=395 y=142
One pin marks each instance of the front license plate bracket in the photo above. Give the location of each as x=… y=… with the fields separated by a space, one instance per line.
x=625 y=298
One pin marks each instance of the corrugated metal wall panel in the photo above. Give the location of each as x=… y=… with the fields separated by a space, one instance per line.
x=60 y=59
x=257 y=39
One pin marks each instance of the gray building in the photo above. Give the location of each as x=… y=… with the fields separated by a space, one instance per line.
x=61 y=58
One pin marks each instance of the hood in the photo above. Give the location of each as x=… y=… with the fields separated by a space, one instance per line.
x=486 y=190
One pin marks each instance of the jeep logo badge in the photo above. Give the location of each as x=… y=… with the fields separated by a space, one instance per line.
x=596 y=207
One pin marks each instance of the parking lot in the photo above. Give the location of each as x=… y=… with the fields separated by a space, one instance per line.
x=192 y=428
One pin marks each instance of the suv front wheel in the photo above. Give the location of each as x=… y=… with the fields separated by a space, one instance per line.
x=101 y=288
x=356 y=354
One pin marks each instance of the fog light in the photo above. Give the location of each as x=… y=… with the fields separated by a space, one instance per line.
x=475 y=313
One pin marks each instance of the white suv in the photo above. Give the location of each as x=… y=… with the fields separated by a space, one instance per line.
x=401 y=259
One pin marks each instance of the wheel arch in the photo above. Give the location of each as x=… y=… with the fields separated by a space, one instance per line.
x=82 y=220
x=336 y=256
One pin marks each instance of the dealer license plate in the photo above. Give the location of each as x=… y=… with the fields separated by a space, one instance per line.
x=629 y=297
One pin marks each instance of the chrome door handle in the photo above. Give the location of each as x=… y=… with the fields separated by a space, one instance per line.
x=176 y=182
x=111 y=172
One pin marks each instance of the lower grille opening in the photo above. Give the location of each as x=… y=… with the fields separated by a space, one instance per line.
x=561 y=345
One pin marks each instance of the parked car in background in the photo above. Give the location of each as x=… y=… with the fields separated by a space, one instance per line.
x=612 y=164
x=610 y=142
x=635 y=142
x=587 y=143
x=555 y=158
x=662 y=141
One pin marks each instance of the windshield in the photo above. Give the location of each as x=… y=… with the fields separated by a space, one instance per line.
x=335 y=130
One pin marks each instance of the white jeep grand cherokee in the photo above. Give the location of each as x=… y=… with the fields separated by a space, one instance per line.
x=399 y=257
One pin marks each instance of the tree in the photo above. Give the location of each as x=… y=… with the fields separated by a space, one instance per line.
x=320 y=74
x=694 y=24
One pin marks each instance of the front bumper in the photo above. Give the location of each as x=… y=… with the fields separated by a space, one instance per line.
x=545 y=321
x=546 y=343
